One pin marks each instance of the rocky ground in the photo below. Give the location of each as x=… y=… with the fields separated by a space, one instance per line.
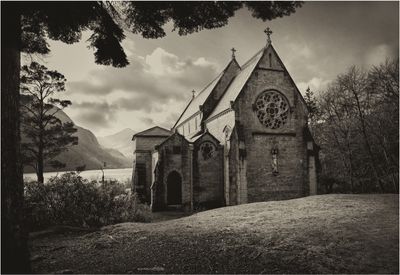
x=319 y=234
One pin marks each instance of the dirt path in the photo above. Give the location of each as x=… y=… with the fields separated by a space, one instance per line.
x=321 y=234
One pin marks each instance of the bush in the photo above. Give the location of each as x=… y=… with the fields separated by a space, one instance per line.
x=72 y=200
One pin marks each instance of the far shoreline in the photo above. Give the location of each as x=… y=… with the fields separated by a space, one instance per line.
x=121 y=174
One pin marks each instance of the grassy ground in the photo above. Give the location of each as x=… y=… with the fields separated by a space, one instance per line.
x=319 y=234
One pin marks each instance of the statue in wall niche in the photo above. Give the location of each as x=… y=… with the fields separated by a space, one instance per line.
x=207 y=150
x=274 y=161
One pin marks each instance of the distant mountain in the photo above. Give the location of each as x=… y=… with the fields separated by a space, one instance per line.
x=121 y=141
x=88 y=152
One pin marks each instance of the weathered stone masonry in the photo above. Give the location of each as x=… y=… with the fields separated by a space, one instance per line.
x=243 y=138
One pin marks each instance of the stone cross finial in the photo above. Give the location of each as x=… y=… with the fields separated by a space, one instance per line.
x=233 y=52
x=193 y=92
x=268 y=32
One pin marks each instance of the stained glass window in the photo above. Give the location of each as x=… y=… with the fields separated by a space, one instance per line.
x=272 y=109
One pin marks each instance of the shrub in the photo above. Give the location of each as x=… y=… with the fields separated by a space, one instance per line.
x=72 y=200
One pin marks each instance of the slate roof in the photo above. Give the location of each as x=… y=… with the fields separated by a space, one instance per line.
x=193 y=105
x=233 y=90
x=237 y=84
x=154 y=131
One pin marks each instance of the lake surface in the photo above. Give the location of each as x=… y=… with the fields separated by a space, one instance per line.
x=122 y=175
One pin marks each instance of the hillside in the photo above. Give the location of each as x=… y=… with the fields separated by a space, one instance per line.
x=318 y=234
x=121 y=141
x=88 y=152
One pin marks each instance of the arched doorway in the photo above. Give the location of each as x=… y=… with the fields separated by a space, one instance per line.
x=174 y=188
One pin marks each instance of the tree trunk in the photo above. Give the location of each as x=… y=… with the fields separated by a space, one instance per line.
x=39 y=171
x=15 y=254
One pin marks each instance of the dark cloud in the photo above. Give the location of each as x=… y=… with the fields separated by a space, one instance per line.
x=144 y=87
x=139 y=103
x=95 y=114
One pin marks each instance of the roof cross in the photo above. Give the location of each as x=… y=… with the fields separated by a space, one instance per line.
x=268 y=32
x=233 y=52
x=193 y=93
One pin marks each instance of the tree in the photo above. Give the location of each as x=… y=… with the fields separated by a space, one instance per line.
x=358 y=128
x=383 y=85
x=335 y=133
x=311 y=102
x=25 y=27
x=355 y=83
x=46 y=136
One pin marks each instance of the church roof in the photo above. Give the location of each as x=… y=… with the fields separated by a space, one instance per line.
x=203 y=98
x=193 y=105
x=237 y=84
x=155 y=131
x=241 y=78
x=232 y=91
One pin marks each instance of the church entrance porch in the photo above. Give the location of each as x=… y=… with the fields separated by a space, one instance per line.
x=174 y=188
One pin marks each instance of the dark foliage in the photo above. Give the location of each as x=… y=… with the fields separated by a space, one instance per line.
x=149 y=18
x=65 y=21
x=311 y=102
x=71 y=200
x=45 y=136
x=358 y=130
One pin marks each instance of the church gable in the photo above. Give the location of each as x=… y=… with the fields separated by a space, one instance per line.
x=265 y=60
x=229 y=73
x=236 y=85
x=206 y=100
x=270 y=60
x=270 y=102
x=173 y=140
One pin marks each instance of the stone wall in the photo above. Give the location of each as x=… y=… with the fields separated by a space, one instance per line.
x=216 y=126
x=147 y=142
x=291 y=179
x=208 y=185
x=179 y=162
x=143 y=147
x=143 y=188
x=233 y=168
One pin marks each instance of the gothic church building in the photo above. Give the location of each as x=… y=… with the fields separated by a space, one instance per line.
x=243 y=138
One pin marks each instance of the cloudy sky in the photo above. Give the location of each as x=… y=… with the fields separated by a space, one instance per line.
x=318 y=42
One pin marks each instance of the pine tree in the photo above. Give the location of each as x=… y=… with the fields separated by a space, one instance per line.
x=311 y=105
x=45 y=135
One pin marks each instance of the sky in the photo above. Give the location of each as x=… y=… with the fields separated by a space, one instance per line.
x=317 y=43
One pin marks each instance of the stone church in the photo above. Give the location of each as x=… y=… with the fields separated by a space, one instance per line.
x=243 y=138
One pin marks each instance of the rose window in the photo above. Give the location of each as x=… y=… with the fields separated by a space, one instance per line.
x=207 y=150
x=272 y=109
